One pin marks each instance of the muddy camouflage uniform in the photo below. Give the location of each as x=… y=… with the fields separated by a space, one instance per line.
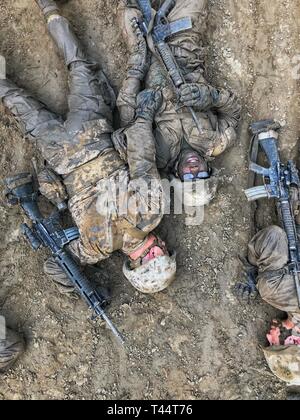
x=268 y=251
x=79 y=152
x=176 y=131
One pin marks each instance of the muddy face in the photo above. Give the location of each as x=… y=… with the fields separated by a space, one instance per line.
x=191 y=163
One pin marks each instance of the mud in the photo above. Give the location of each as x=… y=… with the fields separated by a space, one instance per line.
x=194 y=341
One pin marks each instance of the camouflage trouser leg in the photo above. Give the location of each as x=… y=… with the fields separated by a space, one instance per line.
x=32 y=114
x=88 y=99
x=11 y=346
x=195 y=9
x=268 y=250
x=186 y=45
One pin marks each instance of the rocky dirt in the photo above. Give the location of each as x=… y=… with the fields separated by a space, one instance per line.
x=194 y=341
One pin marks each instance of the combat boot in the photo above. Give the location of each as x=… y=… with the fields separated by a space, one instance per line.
x=48 y=7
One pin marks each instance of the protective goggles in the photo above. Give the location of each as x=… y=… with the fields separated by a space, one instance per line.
x=200 y=175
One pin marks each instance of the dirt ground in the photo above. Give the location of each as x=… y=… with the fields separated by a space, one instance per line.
x=194 y=341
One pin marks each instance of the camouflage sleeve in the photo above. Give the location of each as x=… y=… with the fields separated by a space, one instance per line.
x=126 y=101
x=190 y=58
x=52 y=187
x=228 y=111
x=141 y=151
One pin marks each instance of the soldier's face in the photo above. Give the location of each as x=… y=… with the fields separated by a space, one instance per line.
x=192 y=166
x=154 y=252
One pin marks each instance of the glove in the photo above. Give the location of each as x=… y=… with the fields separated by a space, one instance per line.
x=247 y=290
x=148 y=103
x=197 y=95
x=139 y=61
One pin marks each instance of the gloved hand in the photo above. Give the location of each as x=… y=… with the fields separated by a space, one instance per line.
x=139 y=61
x=148 y=103
x=247 y=290
x=197 y=95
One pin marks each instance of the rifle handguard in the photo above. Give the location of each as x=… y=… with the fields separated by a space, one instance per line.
x=256 y=193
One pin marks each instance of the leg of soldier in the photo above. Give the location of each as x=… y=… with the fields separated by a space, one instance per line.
x=87 y=101
x=33 y=115
x=187 y=46
x=195 y=9
x=11 y=346
x=268 y=250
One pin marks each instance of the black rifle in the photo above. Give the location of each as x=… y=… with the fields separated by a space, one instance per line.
x=48 y=233
x=157 y=30
x=278 y=181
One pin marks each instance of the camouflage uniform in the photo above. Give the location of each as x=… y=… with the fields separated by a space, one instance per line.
x=81 y=155
x=11 y=346
x=176 y=131
x=268 y=251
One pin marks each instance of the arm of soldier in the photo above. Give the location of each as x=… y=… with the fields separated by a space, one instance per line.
x=138 y=66
x=197 y=91
x=51 y=186
x=126 y=101
x=222 y=132
x=228 y=112
x=141 y=150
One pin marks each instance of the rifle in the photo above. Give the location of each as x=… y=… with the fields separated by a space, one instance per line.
x=48 y=233
x=157 y=31
x=278 y=181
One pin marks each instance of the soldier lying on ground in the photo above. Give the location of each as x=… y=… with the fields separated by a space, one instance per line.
x=268 y=258
x=181 y=149
x=272 y=257
x=115 y=205
x=11 y=346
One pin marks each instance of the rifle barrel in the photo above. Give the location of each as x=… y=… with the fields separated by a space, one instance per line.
x=115 y=331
